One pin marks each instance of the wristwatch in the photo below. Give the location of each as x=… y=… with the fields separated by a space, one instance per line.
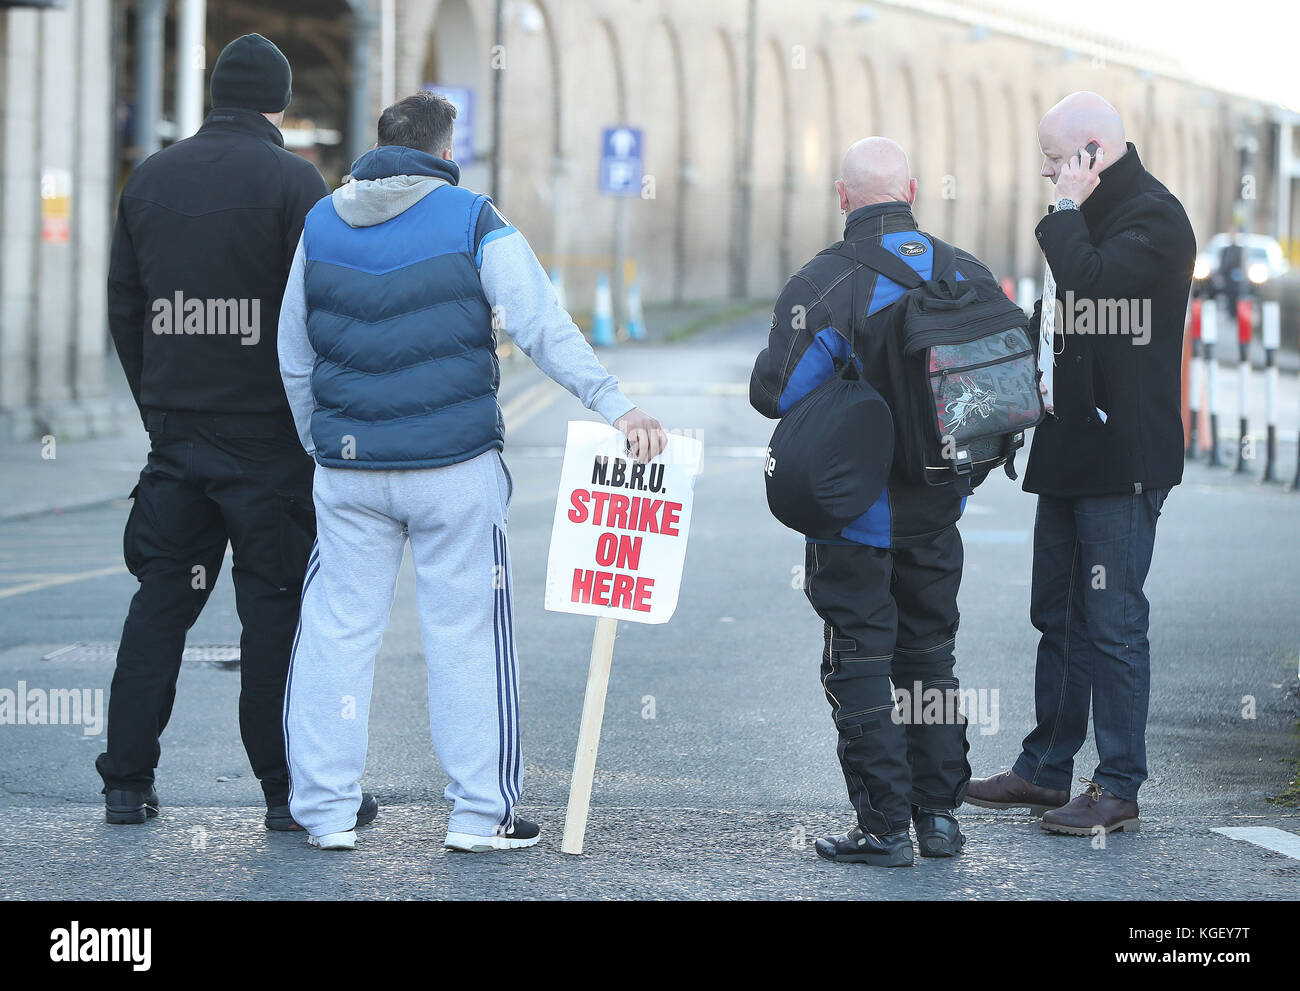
x=1065 y=203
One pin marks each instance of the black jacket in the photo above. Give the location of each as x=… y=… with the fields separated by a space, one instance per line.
x=215 y=217
x=809 y=341
x=1129 y=248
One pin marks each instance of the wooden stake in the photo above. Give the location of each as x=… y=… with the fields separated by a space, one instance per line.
x=593 y=713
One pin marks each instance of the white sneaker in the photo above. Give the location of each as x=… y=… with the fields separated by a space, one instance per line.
x=523 y=833
x=335 y=841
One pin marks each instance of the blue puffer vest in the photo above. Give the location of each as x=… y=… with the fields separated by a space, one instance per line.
x=406 y=370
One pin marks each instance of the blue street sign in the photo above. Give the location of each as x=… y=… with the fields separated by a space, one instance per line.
x=622 y=160
x=462 y=142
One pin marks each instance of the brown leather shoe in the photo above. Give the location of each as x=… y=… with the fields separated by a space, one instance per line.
x=1009 y=790
x=1096 y=809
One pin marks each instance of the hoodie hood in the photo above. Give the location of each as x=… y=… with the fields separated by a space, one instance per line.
x=388 y=181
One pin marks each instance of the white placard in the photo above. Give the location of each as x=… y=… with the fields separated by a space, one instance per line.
x=618 y=543
x=1046 y=334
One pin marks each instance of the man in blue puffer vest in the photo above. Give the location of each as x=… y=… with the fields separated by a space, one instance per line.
x=388 y=355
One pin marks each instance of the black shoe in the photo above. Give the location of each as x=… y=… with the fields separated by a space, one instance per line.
x=368 y=810
x=860 y=847
x=279 y=819
x=937 y=832
x=524 y=833
x=129 y=808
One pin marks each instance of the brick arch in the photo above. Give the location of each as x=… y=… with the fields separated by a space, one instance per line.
x=713 y=77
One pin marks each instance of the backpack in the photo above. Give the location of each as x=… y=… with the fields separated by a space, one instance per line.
x=831 y=453
x=971 y=367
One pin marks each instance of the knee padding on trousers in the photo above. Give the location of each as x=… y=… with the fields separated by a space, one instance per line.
x=842 y=655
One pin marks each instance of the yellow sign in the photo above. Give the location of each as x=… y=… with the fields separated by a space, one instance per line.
x=56 y=206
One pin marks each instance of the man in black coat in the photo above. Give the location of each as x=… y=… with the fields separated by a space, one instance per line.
x=1121 y=250
x=206 y=231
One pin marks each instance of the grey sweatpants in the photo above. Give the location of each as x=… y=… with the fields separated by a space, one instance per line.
x=456 y=520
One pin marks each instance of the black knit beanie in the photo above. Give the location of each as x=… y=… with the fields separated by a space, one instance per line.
x=253 y=74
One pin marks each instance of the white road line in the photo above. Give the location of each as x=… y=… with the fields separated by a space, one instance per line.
x=62 y=580
x=685 y=388
x=1269 y=837
x=542 y=451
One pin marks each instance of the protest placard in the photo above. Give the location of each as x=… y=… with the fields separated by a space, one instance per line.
x=618 y=545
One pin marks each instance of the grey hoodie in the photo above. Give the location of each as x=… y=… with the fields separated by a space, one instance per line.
x=368 y=202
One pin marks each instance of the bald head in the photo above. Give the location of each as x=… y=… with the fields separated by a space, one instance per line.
x=875 y=170
x=1069 y=126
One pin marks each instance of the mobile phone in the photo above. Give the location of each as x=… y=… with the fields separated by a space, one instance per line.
x=1092 y=148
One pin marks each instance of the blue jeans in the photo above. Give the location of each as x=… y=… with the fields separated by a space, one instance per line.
x=1091 y=556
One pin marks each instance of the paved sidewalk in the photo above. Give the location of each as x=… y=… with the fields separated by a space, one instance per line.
x=65 y=475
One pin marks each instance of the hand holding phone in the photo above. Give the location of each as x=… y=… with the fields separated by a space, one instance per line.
x=1081 y=174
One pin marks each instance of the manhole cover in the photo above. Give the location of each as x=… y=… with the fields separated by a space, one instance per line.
x=222 y=655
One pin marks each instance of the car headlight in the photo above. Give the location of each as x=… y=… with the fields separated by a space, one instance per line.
x=1202 y=269
x=1257 y=273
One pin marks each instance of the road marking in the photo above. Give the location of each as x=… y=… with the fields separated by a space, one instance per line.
x=543 y=451
x=530 y=402
x=1269 y=837
x=62 y=580
x=685 y=388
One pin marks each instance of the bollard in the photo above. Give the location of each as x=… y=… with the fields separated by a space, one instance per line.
x=602 y=321
x=1245 y=330
x=1026 y=294
x=1209 y=336
x=1194 y=380
x=1295 y=482
x=1272 y=333
x=635 y=317
x=557 y=280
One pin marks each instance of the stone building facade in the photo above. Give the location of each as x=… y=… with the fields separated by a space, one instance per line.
x=959 y=84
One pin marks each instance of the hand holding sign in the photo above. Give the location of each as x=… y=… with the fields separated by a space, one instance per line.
x=618 y=545
x=645 y=438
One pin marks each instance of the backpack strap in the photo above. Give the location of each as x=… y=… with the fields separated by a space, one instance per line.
x=880 y=259
x=853 y=305
x=876 y=258
x=888 y=264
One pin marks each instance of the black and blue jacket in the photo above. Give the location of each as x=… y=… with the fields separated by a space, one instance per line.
x=809 y=341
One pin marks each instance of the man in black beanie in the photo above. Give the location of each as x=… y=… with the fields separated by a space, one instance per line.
x=206 y=231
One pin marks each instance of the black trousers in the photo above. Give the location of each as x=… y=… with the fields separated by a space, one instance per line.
x=211 y=479
x=891 y=621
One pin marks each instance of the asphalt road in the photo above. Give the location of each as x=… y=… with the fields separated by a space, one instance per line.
x=722 y=792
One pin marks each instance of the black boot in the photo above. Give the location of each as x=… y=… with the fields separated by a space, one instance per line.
x=860 y=847
x=937 y=832
x=279 y=819
x=129 y=808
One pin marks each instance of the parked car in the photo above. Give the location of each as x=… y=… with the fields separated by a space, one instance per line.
x=1263 y=263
